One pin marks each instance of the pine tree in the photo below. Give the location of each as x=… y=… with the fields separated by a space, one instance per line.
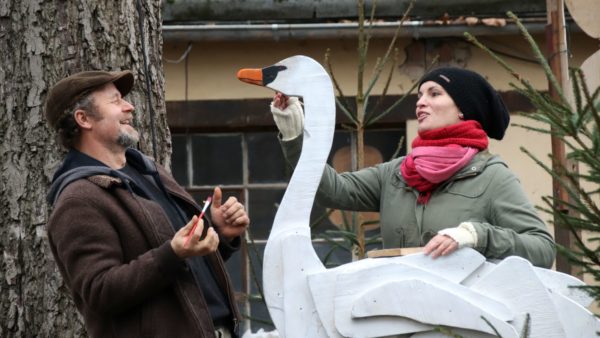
x=576 y=123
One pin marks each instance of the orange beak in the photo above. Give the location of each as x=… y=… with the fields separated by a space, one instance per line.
x=251 y=75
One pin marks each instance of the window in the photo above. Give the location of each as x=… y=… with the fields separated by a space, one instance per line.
x=251 y=167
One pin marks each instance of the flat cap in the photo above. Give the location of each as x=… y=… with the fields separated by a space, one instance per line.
x=66 y=92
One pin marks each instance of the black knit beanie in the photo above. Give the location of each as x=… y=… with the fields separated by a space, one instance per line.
x=475 y=98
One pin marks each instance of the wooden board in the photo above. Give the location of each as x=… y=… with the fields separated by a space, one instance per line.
x=393 y=252
x=516 y=284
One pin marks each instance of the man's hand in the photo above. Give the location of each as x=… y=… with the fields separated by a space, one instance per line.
x=230 y=218
x=197 y=246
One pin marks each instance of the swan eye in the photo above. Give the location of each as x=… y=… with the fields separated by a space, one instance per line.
x=270 y=73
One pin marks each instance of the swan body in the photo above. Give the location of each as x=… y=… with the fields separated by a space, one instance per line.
x=399 y=295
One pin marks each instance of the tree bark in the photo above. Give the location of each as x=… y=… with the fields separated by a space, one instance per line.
x=40 y=43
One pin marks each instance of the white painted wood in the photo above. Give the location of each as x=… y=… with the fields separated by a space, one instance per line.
x=553 y=280
x=307 y=300
x=302 y=77
x=431 y=304
x=476 y=275
x=351 y=286
x=576 y=320
x=456 y=331
x=563 y=283
x=514 y=282
x=301 y=317
x=455 y=267
x=273 y=282
x=322 y=287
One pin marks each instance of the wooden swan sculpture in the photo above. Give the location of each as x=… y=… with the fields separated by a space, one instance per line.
x=412 y=294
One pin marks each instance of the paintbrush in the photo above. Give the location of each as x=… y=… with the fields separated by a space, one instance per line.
x=189 y=238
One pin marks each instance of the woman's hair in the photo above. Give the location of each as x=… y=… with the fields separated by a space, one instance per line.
x=67 y=128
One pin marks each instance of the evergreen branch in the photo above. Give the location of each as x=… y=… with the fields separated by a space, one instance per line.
x=539 y=130
x=447 y=332
x=499 y=60
x=591 y=255
x=588 y=223
x=539 y=56
x=575 y=194
x=575 y=77
x=526 y=326
x=492 y=326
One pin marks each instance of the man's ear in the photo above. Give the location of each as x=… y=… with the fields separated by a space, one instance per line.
x=82 y=119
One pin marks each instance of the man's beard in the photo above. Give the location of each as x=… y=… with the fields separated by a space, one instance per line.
x=128 y=140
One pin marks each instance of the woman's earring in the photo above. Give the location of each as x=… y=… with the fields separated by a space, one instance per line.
x=461 y=116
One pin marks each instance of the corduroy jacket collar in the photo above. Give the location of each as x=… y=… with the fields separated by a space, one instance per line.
x=79 y=165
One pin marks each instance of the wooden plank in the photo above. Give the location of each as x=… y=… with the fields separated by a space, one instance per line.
x=322 y=287
x=393 y=252
x=576 y=320
x=447 y=270
x=435 y=302
x=515 y=282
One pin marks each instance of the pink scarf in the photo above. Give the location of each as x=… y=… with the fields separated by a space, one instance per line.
x=438 y=154
x=437 y=164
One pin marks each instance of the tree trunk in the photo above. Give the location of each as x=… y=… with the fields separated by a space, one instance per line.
x=40 y=43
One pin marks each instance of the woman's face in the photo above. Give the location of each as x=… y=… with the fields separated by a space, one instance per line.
x=435 y=108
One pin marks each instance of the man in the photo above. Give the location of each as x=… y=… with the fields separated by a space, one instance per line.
x=120 y=223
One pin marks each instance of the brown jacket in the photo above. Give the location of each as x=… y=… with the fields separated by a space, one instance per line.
x=113 y=250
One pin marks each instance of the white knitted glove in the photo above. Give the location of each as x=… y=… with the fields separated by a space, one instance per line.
x=290 y=121
x=464 y=234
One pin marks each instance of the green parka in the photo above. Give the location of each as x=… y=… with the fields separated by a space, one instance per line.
x=485 y=192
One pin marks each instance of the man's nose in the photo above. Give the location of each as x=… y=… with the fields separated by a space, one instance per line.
x=128 y=106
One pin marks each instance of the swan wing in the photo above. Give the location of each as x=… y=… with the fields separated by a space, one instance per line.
x=455 y=267
x=435 y=304
x=514 y=282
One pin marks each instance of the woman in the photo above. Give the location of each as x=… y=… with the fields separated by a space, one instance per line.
x=449 y=192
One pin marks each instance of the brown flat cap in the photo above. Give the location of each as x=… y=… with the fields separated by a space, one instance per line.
x=71 y=89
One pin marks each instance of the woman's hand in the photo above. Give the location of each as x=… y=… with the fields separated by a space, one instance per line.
x=288 y=116
x=440 y=245
x=280 y=101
